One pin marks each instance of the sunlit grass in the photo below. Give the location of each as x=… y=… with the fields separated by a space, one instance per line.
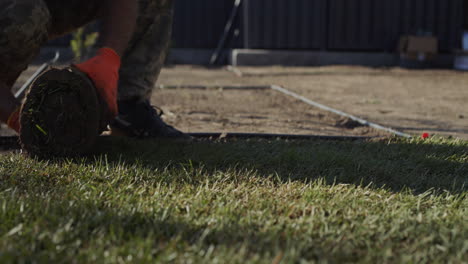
x=251 y=201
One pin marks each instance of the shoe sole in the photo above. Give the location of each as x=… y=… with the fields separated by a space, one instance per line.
x=61 y=115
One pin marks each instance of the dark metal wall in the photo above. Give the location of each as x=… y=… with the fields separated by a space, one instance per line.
x=442 y=17
x=285 y=24
x=360 y=25
x=200 y=23
x=377 y=24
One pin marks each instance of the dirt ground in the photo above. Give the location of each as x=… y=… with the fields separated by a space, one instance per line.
x=411 y=101
x=249 y=111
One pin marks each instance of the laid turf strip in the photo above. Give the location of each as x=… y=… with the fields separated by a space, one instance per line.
x=61 y=114
x=239 y=201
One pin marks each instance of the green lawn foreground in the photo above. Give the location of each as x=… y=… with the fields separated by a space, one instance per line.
x=245 y=201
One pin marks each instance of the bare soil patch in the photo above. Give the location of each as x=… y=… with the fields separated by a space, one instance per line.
x=412 y=101
x=250 y=111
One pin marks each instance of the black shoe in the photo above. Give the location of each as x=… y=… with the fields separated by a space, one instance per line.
x=142 y=120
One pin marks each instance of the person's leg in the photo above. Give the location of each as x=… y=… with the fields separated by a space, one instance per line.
x=23 y=29
x=141 y=65
x=146 y=53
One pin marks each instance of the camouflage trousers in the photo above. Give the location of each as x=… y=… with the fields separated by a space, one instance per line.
x=26 y=25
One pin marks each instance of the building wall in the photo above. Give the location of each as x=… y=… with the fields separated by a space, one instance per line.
x=377 y=25
x=336 y=25
x=200 y=23
x=285 y=24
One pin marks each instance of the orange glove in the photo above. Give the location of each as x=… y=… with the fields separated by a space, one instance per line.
x=103 y=70
x=13 y=121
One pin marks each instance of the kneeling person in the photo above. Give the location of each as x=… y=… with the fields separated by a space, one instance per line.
x=134 y=41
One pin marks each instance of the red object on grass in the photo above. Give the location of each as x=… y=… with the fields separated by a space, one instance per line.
x=13 y=121
x=103 y=69
x=425 y=135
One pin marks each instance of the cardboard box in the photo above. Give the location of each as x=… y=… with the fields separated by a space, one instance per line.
x=420 y=48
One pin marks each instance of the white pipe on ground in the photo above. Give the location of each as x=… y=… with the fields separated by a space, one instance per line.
x=338 y=112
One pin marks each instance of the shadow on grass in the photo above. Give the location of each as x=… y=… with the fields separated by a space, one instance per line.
x=393 y=164
x=104 y=227
x=102 y=223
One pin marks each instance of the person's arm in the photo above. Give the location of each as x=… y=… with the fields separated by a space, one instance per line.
x=119 y=19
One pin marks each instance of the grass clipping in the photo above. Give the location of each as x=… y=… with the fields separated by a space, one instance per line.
x=61 y=115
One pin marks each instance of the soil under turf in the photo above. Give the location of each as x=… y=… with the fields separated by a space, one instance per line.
x=61 y=115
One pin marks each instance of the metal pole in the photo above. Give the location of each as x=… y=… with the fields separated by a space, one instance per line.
x=227 y=29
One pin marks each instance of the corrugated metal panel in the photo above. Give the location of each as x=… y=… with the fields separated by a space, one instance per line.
x=200 y=23
x=364 y=25
x=357 y=24
x=377 y=25
x=285 y=24
x=442 y=18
